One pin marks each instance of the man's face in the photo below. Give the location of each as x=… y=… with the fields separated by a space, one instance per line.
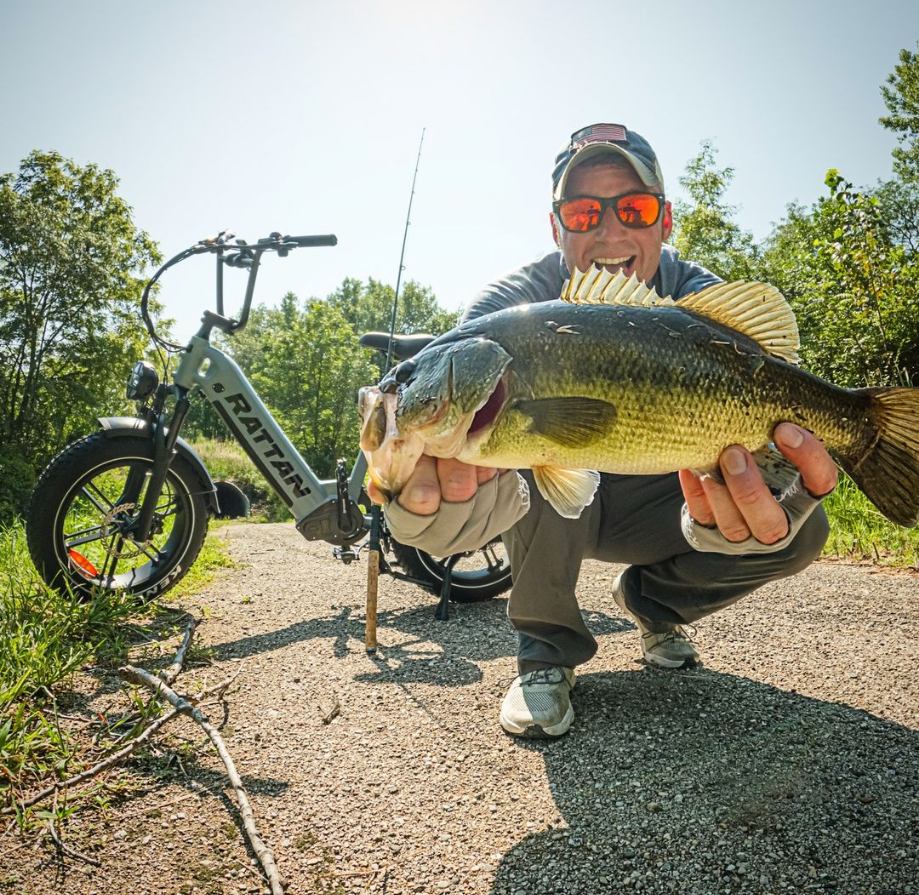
x=611 y=245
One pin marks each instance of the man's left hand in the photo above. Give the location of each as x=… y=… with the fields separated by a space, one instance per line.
x=744 y=505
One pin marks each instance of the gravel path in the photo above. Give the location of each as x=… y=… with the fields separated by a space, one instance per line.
x=789 y=762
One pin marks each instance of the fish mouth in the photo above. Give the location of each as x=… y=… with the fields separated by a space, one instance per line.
x=489 y=411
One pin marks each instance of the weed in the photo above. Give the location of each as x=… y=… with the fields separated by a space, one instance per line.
x=858 y=530
x=46 y=637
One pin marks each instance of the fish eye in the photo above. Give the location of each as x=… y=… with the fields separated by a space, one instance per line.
x=404 y=371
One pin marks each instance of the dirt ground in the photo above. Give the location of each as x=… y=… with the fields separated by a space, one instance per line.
x=788 y=762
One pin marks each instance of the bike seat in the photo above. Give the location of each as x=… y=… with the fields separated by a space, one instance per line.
x=402 y=346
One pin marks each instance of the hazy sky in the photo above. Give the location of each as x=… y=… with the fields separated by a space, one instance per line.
x=305 y=117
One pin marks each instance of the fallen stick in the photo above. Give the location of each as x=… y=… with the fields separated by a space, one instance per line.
x=170 y=673
x=125 y=751
x=63 y=848
x=158 y=686
x=103 y=765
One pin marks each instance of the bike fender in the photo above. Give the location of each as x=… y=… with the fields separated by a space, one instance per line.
x=119 y=426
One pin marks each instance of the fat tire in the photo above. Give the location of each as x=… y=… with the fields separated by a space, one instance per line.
x=60 y=484
x=465 y=586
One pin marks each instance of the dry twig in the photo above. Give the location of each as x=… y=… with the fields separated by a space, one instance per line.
x=172 y=672
x=62 y=847
x=103 y=765
x=262 y=851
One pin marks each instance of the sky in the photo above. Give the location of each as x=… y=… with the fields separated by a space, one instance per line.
x=306 y=117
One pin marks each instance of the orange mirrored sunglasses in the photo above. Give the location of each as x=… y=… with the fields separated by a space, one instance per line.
x=635 y=210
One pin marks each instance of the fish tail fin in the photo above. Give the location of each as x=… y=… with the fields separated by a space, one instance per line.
x=889 y=472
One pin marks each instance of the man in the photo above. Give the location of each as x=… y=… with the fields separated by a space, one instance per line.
x=693 y=545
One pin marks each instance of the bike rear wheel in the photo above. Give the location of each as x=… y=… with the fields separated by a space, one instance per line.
x=81 y=510
x=480 y=574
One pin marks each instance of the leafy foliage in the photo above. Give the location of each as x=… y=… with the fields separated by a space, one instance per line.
x=704 y=231
x=69 y=259
x=851 y=279
x=305 y=362
x=902 y=100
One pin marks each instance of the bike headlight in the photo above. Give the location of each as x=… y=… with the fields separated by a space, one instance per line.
x=142 y=382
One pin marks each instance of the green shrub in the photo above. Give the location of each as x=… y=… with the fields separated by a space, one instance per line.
x=227 y=460
x=15 y=483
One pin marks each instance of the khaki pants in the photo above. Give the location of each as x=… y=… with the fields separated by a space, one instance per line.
x=633 y=520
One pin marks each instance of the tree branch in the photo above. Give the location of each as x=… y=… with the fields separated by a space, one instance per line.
x=262 y=852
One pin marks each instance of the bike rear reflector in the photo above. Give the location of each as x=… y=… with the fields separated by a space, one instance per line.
x=83 y=564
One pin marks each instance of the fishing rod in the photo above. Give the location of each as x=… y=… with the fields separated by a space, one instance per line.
x=373 y=545
x=395 y=303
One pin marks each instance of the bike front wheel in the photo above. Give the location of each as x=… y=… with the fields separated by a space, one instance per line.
x=79 y=520
x=478 y=575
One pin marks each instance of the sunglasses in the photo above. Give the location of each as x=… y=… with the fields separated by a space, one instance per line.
x=637 y=211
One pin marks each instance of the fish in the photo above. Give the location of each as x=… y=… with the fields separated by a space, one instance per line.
x=611 y=377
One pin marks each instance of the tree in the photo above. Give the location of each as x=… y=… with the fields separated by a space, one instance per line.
x=852 y=284
x=368 y=308
x=902 y=101
x=69 y=259
x=705 y=231
x=306 y=366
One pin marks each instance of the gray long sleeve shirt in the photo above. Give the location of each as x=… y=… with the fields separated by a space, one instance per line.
x=542 y=280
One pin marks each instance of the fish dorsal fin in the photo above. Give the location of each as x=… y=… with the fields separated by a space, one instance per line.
x=597 y=286
x=568 y=490
x=757 y=310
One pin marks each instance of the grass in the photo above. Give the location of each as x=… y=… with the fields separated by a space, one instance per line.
x=859 y=532
x=46 y=638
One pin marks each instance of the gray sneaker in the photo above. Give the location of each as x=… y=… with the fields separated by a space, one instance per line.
x=537 y=703
x=670 y=648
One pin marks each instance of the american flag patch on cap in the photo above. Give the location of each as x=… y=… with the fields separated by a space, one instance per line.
x=599 y=133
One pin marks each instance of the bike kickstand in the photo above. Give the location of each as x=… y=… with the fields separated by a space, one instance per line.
x=443 y=607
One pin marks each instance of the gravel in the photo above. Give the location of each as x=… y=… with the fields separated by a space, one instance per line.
x=788 y=763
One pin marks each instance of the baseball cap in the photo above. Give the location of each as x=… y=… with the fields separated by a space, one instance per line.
x=597 y=139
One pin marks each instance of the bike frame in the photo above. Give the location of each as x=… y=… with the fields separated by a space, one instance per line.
x=314 y=503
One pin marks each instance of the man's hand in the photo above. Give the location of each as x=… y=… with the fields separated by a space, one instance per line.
x=435 y=479
x=743 y=505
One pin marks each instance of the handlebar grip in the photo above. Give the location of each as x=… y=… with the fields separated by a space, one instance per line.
x=308 y=241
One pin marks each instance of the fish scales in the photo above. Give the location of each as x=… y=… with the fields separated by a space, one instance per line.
x=617 y=379
x=682 y=389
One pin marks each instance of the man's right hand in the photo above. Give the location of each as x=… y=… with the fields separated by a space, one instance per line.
x=437 y=479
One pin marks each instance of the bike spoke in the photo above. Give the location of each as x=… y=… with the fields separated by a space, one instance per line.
x=93 y=501
x=170 y=508
x=114 y=555
x=86 y=536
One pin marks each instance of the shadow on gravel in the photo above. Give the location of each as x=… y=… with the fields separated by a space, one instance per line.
x=699 y=783
x=411 y=639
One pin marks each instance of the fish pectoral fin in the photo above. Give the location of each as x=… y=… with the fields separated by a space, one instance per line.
x=570 y=422
x=757 y=310
x=567 y=490
x=597 y=286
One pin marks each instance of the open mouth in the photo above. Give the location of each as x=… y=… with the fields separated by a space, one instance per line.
x=626 y=264
x=487 y=413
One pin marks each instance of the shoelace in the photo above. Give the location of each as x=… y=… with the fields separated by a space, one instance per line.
x=679 y=632
x=542 y=676
x=539 y=676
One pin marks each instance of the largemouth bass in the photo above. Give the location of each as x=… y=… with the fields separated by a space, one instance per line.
x=614 y=378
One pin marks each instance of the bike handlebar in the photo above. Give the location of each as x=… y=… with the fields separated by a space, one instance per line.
x=234 y=253
x=305 y=242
